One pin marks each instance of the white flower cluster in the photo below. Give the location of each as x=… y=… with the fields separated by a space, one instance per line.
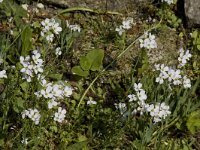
x=49 y=28
x=158 y=111
x=172 y=75
x=60 y=115
x=33 y=114
x=54 y=91
x=1 y=1
x=140 y=97
x=32 y=65
x=148 y=41
x=126 y=24
x=183 y=57
x=3 y=74
x=168 y=1
x=73 y=27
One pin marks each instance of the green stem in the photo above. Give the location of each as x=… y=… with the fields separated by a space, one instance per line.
x=88 y=10
x=163 y=128
x=120 y=55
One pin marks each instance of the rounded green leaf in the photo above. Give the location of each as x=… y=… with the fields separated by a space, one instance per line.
x=85 y=63
x=78 y=71
x=96 y=57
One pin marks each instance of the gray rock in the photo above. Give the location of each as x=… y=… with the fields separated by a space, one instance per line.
x=192 y=12
x=103 y=5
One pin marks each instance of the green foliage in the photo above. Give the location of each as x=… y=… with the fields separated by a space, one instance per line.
x=170 y=17
x=101 y=124
x=92 y=61
x=196 y=39
x=193 y=122
x=26 y=38
x=79 y=71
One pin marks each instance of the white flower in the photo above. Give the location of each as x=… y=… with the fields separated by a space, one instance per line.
x=122 y=107
x=3 y=74
x=132 y=97
x=50 y=27
x=1 y=1
x=141 y=95
x=11 y=32
x=50 y=37
x=137 y=87
x=57 y=91
x=25 y=113
x=186 y=82
x=46 y=23
x=140 y=109
x=60 y=115
x=67 y=91
x=168 y=1
x=32 y=64
x=91 y=102
x=149 y=108
x=38 y=94
x=160 y=79
x=158 y=111
x=52 y=103
x=58 y=51
x=36 y=57
x=120 y=30
x=40 y=5
x=157 y=67
x=24 y=141
x=164 y=68
x=126 y=24
x=47 y=92
x=75 y=28
x=25 y=6
x=148 y=41
x=56 y=28
x=33 y=114
x=183 y=57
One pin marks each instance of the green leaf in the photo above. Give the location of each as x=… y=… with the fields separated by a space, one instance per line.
x=96 y=57
x=198 y=47
x=193 y=122
x=82 y=138
x=36 y=24
x=1 y=142
x=85 y=63
x=20 y=102
x=77 y=146
x=194 y=34
x=24 y=86
x=78 y=71
x=26 y=40
x=56 y=76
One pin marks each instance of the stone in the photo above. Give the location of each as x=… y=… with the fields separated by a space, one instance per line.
x=103 y=5
x=192 y=12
